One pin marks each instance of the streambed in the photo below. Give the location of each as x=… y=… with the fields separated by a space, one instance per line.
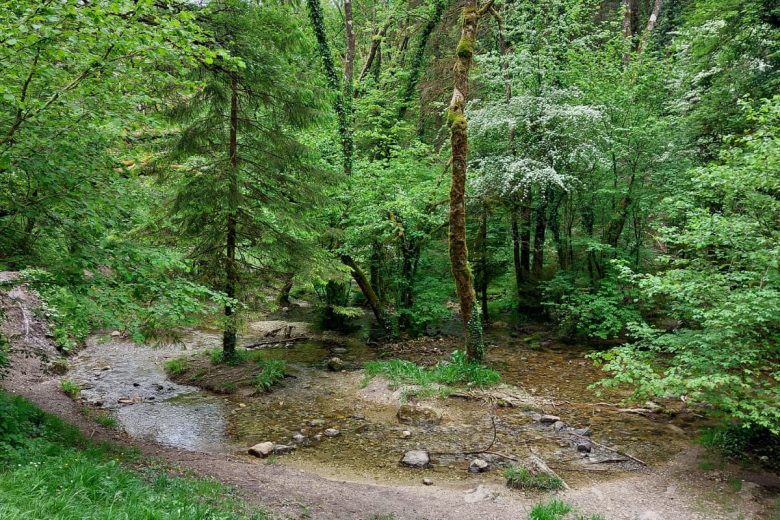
x=130 y=381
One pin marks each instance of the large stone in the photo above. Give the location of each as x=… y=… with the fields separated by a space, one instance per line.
x=417 y=415
x=416 y=459
x=335 y=364
x=478 y=466
x=262 y=449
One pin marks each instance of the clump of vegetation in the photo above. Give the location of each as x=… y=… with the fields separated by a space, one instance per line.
x=557 y=510
x=176 y=366
x=740 y=442
x=518 y=477
x=217 y=357
x=457 y=371
x=271 y=372
x=49 y=470
x=72 y=389
x=107 y=420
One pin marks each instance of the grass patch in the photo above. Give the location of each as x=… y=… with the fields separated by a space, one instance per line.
x=518 y=477
x=70 y=388
x=271 y=372
x=106 y=420
x=554 y=510
x=174 y=367
x=49 y=470
x=456 y=371
x=557 y=510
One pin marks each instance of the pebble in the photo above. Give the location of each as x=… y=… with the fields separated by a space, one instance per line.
x=299 y=438
x=478 y=466
x=428 y=481
x=549 y=419
x=559 y=426
x=406 y=434
x=331 y=432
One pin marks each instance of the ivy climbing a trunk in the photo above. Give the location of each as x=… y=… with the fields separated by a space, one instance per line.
x=459 y=257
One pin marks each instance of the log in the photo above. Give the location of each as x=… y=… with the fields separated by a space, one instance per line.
x=277 y=341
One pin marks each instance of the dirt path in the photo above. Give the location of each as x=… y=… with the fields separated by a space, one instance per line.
x=677 y=490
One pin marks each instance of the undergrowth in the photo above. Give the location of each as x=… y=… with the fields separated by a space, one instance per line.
x=558 y=510
x=456 y=371
x=518 y=477
x=49 y=470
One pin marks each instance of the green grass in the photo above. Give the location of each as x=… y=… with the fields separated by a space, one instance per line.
x=456 y=371
x=557 y=510
x=554 y=510
x=176 y=366
x=107 y=420
x=49 y=470
x=271 y=372
x=518 y=477
x=70 y=388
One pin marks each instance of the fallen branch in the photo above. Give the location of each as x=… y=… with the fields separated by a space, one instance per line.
x=277 y=341
x=613 y=450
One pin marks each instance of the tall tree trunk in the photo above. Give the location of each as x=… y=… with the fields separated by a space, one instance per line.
x=628 y=31
x=419 y=55
x=341 y=108
x=464 y=284
x=231 y=270
x=539 y=238
x=482 y=272
x=650 y=26
x=520 y=278
x=374 y=52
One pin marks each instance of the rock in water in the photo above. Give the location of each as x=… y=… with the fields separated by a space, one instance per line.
x=559 y=426
x=335 y=364
x=416 y=459
x=549 y=419
x=478 y=466
x=283 y=449
x=417 y=415
x=406 y=434
x=331 y=432
x=262 y=449
x=299 y=438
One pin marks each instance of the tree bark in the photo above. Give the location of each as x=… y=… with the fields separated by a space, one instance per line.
x=539 y=239
x=464 y=283
x=482 y=247
x=284 y=294
x=373 y=52
x=231 y=270
x=368 y=291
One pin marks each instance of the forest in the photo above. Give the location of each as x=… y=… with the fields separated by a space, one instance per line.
x=497 y=208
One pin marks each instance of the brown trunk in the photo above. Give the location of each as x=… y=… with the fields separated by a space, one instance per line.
x=525 y=239
x=349 y=56
x=650 y=25
x=284 y=294
x=539 y=237
x=482 y=247
x=457 y=215
x=628 y=15
x=231 y=270
x=373 y=53
x=519 y=275
x=368 y=291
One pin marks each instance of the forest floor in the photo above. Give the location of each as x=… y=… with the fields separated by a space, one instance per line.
x=688 y=485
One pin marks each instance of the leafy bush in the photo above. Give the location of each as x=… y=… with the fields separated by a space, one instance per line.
x=459 y=370
x=520 y=478
x=742 y=442
x=602 y=313
x=271 y=372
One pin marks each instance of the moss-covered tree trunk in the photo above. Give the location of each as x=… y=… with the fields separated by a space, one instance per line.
x=231 y=270
x=459 y=257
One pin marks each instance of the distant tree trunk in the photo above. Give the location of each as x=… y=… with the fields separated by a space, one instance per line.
x=419 y=55
x=650 y=25
x=628 y=32
x=410 y=254
x=349 y=56
x=464 y=284
x=368 y=291
x=341 y=106
x=231 y=270
x=539 y=238
x=482 y=270
x=284 y=294
x=374 y=52
x=375 y=271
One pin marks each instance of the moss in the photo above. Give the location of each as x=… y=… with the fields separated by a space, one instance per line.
x=475 y=342
x=456 y=122
x=465 y=48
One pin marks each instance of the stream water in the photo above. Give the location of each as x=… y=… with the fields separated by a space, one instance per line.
x=130 y=381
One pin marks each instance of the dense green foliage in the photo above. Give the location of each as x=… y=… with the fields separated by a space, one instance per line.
x=48 y=470
x=622 y=175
